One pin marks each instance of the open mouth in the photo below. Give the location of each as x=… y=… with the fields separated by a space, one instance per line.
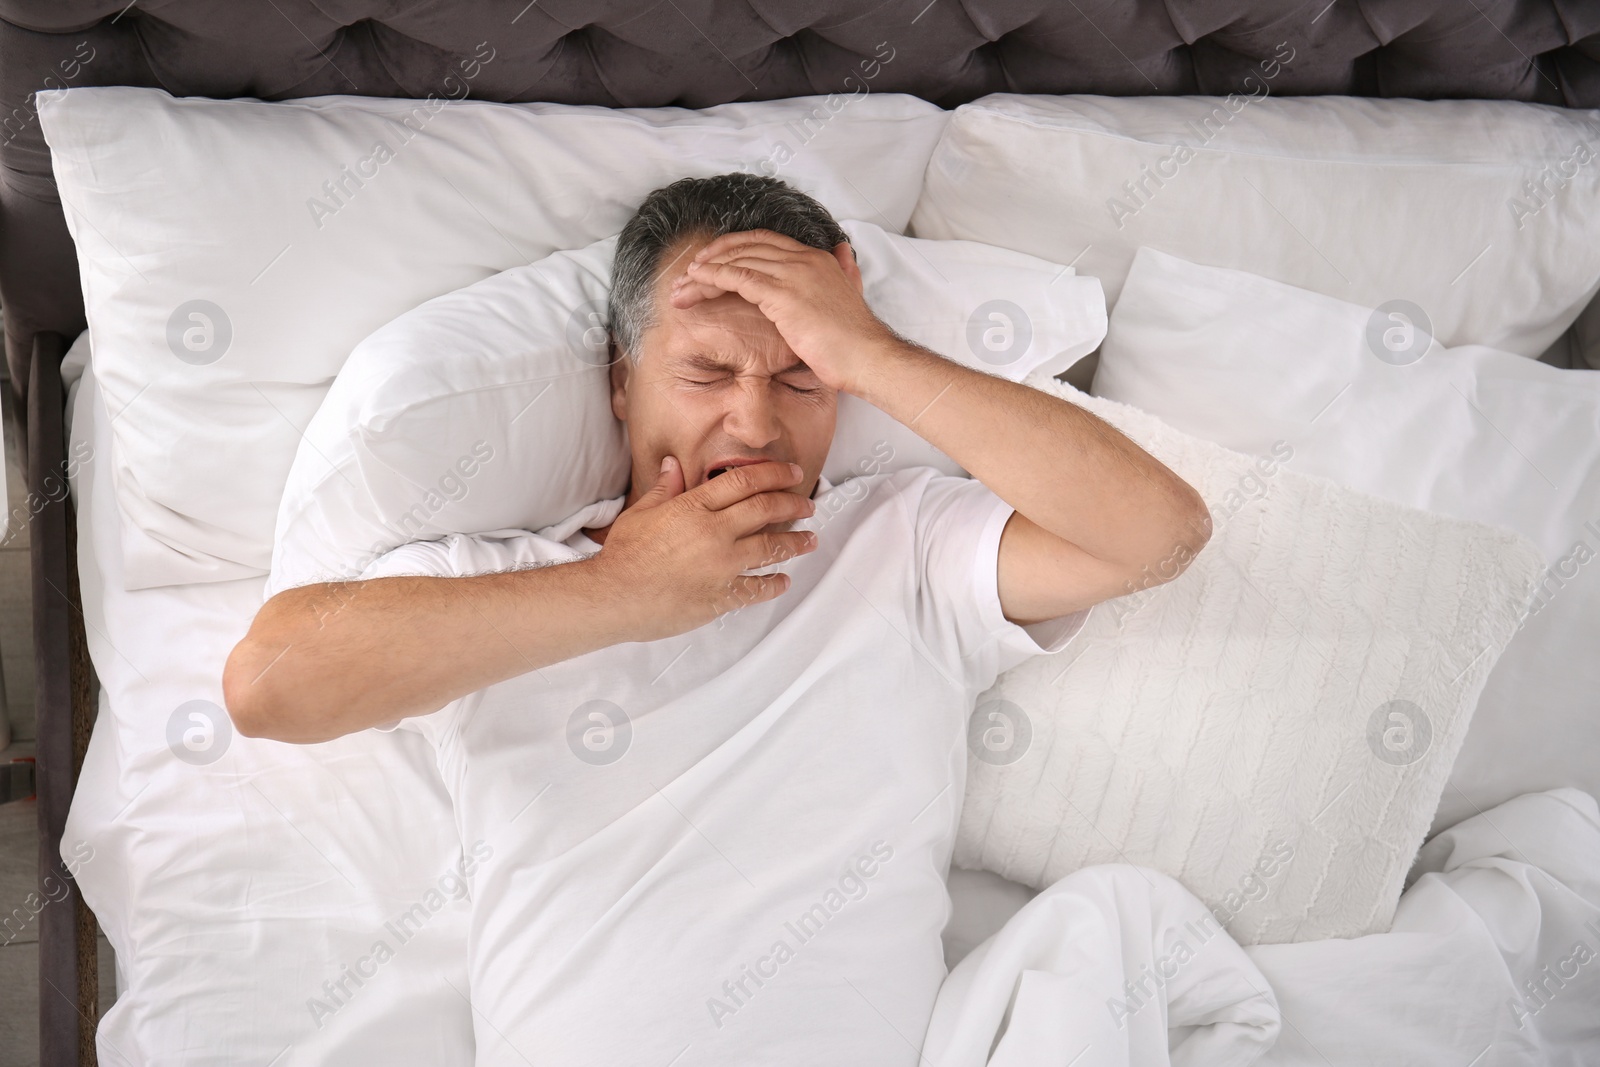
x=723 y=468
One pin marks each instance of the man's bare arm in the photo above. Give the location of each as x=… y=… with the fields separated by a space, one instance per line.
x=1095 y=512
x=1096 y=515
x=326 y=660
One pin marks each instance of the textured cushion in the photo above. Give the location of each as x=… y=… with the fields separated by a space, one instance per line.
x=1273 y=727
x=1359 y=199
x=234 y=252
x=1467 y=431
x=487 y=408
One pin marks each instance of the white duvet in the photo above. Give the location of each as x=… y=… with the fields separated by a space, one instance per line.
x=1493 y=959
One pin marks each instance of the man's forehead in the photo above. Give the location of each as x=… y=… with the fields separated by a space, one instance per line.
x=721 y=362
x=721 y=333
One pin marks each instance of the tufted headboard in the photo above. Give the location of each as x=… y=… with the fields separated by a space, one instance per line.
x=695 y=53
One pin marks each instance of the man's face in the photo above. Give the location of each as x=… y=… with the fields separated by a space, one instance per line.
x=715 y=384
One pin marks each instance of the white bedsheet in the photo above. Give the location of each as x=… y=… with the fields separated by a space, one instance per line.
x=244 y=897
x=1493 y=959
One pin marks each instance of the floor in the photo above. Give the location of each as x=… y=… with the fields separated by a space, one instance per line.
x=19 y=839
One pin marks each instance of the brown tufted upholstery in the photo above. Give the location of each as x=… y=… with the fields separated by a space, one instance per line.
x=695 y=53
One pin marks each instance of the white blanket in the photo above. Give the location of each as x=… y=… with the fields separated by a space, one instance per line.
x=1112 y=966
x=1493 y=959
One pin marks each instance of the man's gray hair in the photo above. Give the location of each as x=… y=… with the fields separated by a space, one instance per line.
x=707 y=208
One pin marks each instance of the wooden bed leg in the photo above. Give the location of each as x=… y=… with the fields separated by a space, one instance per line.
x=68 y=972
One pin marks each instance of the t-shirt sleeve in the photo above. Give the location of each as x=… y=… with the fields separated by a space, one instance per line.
x=958 y=527
x=462 y=555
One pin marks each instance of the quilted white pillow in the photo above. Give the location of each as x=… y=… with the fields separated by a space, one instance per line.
x=489 y=408
x=1467 y=431
x=1366 y=200
x=233 y=252
x=1274 y=727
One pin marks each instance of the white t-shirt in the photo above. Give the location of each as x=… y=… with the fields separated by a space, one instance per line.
x=730 y=846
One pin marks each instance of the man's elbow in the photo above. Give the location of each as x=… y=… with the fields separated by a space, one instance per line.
x=1188 y=534
x=1194 y=529
x=250 y=699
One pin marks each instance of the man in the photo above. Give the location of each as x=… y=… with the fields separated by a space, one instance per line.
x=713 y=746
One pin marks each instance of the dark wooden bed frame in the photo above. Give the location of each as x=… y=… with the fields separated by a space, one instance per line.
x=619 y=53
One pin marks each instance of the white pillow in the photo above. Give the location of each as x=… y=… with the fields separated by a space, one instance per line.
x=1274 y=726
x=1256 y=365
x=1483 y=213
x=489 y=408
x=233 y=252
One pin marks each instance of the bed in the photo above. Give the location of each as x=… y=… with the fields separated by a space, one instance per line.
x=630 y=56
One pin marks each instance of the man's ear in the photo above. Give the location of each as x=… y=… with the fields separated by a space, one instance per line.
x=845 y=253
x=620 y=366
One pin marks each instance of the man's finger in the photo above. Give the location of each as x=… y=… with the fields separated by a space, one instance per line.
x=711 y=278
x=717 y=244
x=691 y=293
x=668 y=483
x=750 y=249
x=746 y=481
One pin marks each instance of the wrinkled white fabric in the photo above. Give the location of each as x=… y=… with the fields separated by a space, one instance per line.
x=1112 y=966
x=1493 y=958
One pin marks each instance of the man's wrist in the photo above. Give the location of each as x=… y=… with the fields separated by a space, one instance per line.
x=620 y=613
x=896 y=374
x=876 y=366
